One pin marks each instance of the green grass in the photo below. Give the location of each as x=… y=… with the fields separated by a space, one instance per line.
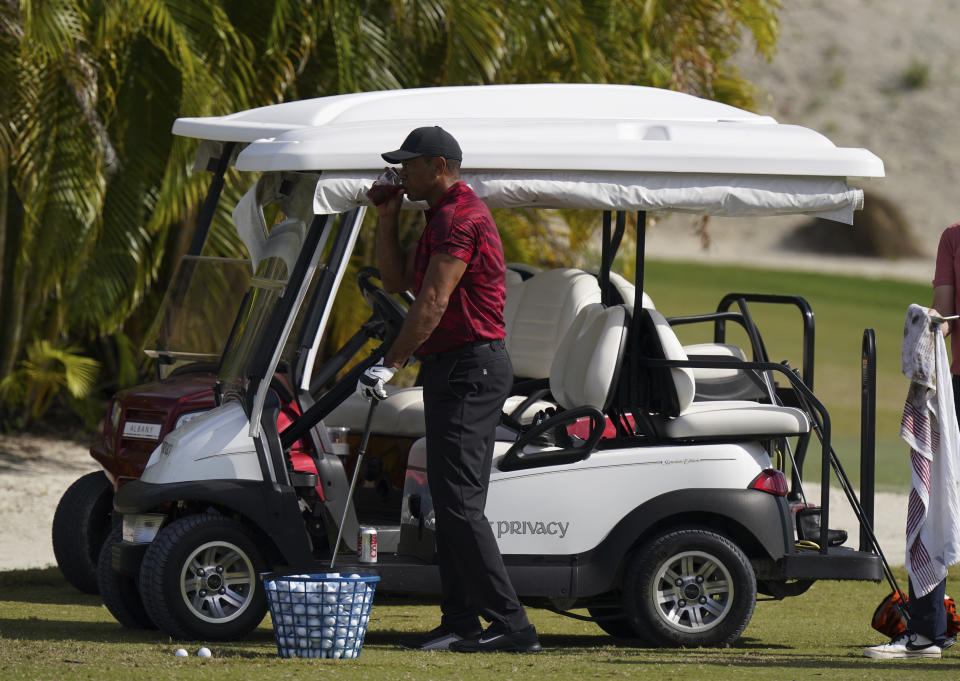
x=843 y=307
x=50 y=631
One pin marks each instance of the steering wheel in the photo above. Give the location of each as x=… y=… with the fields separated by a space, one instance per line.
x=384 y=325
x=385 y=307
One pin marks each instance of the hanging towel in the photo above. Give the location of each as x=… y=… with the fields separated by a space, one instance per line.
x=929 y=426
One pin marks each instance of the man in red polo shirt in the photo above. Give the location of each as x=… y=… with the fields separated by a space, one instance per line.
x=455 y=327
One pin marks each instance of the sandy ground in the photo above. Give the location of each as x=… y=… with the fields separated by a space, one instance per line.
x=34 y=472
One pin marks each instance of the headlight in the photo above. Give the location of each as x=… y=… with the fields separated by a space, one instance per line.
x=114 y=415
x=187 y=418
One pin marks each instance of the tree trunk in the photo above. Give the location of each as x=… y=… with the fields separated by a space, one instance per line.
x=12 y=298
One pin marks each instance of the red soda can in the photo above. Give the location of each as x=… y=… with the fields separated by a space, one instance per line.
x=367 y=545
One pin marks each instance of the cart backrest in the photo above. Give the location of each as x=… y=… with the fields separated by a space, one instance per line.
x=538 y=313
x=585 y=369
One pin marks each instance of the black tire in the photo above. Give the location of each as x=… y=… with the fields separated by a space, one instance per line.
x=613 y=620
x=80 y=524
x=690 y=588
x=181 y=599
x=120 y=593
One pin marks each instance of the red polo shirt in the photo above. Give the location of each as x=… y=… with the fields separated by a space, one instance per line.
x=461 y=225
x=947 y=273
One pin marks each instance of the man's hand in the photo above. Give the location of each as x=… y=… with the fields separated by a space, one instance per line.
x=372 y=381
x=386 y=195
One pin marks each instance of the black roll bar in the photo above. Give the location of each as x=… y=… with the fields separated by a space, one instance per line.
x=219 y=167
x=741 y=299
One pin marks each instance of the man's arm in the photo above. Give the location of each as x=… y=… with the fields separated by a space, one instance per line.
x=396 y=264
x=442 y=276
x=943 y=304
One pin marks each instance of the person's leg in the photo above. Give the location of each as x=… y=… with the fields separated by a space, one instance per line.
x=928 y=614
x=956 y=395
x=461 y=429
x=458 y=613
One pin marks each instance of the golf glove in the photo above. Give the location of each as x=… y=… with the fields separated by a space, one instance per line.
x=372 y=381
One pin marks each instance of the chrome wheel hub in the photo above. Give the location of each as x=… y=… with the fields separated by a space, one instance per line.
x=217 y=582
x=693 y=591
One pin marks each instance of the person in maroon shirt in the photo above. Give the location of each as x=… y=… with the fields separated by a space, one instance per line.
x=455 y=327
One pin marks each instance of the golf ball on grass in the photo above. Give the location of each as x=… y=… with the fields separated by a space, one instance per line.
x=180 y=652
x=203 y=652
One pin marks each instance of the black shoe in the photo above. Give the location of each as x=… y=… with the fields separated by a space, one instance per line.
x=437 y=639
x=948 y=642
x=495 y=639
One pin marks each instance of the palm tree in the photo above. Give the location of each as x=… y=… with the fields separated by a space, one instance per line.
x=96 y=197
x=90 y=181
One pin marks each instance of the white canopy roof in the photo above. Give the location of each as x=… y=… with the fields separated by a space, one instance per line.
x=560 y=145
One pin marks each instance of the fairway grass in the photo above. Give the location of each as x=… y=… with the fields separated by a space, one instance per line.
x=48 y=630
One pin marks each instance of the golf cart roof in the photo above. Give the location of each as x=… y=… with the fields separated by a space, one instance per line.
x=561 y=146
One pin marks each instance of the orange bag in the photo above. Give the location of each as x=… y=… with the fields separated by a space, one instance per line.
x=887 y=620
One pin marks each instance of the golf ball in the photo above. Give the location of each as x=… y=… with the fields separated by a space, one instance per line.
x=180 y=652
x=203 y=652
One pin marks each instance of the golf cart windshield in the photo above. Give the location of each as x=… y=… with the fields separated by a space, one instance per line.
x=198 y=310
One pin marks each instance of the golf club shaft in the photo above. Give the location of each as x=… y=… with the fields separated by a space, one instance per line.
x=353 y=483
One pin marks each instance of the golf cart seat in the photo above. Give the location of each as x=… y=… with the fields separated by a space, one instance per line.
x=537 y=314
x=583 y=379
x=681 y=418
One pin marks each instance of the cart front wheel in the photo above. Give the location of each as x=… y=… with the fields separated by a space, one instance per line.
x=199 y=579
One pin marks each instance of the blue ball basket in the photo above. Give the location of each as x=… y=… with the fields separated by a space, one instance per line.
x=320 y=615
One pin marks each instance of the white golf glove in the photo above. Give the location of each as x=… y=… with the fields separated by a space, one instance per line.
x=373 y=379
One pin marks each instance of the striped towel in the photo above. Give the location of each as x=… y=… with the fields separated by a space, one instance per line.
x=929 y=426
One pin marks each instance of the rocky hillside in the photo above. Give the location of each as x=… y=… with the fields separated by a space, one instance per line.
x=880 y=74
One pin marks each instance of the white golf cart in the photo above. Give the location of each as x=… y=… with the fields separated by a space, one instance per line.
x=620 y=484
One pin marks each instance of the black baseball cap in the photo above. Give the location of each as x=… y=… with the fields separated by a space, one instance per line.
x=427 y=141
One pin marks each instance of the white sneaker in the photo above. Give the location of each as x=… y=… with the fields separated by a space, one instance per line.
x=903 y=646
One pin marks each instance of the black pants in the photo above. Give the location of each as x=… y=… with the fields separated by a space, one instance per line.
x=928 y=614
x=463 y=392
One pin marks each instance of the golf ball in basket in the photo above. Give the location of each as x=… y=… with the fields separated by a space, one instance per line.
x=203 y=652
x=180 y=652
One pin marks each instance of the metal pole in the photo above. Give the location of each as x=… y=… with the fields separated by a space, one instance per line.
x=605 y=260
x=353 y=483
x=207 y=210
x=868 y=422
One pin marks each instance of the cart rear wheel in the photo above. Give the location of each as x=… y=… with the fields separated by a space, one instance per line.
x=80 y=525
x=119 y=592
x=200 y=579
x=690 y=588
